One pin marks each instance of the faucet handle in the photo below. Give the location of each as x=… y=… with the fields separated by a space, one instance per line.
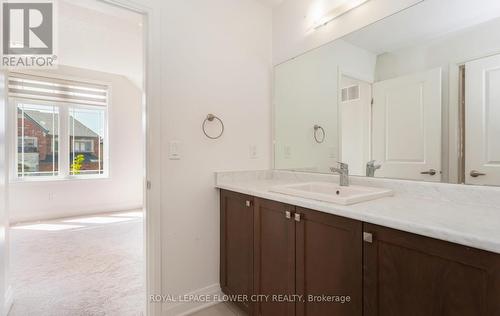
x=372 y=164
x=343 y=165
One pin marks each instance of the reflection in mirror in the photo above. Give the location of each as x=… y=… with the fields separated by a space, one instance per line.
x=415 y=96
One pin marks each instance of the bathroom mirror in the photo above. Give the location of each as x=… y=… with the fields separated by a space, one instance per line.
x=414 y=96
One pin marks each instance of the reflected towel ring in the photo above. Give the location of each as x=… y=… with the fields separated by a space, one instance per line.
x=211 y=118
x=316 y=128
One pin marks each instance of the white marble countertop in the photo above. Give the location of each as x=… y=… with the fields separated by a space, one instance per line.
x=477 y=226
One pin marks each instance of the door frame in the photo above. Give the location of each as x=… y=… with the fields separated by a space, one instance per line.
x=455 y=125
x=361 y=77
x=152 y=154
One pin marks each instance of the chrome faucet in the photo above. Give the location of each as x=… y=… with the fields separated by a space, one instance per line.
x=371 y=167
x=343 y=171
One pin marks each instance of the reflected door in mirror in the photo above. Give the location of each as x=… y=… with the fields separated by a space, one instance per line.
x=407 y=126
x=482 y=94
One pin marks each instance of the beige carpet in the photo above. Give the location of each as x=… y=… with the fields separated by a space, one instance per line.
x=90 y=266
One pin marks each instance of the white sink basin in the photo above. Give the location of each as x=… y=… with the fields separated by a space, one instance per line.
x=333 y=193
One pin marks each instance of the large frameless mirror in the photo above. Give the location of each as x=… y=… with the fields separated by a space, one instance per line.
x=414 y=96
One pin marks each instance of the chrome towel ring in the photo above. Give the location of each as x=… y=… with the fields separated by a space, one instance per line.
x=316 y=129
x=211 y=118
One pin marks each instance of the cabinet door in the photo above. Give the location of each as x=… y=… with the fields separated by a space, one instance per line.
x=236 y=249
x=411 y=275
x=329 y=260
x=274 y=257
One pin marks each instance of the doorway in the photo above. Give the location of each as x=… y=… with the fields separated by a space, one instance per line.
x=74 y=123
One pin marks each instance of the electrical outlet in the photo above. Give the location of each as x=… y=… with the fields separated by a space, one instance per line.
x=253 y=152
x=288 y=152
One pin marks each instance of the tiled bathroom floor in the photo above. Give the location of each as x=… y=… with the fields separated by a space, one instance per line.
x=223 y=309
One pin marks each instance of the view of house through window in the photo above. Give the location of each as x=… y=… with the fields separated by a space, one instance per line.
x=61 y=127
x=37 y=137
x=86 y=130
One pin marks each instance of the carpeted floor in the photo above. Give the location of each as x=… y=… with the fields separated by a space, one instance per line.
x=90 y=266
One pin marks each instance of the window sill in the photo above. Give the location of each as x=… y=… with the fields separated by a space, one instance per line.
x=59 y=179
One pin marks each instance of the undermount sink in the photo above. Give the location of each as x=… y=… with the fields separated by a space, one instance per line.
x=333 y=193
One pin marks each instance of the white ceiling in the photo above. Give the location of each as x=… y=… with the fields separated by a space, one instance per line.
x=93 y=34
x=428 y=20
x=108 y=9
x=271 y=3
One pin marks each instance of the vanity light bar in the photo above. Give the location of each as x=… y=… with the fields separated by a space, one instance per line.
x=339 y=11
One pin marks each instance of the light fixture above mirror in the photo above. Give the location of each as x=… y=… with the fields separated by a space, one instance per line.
x=343 y=8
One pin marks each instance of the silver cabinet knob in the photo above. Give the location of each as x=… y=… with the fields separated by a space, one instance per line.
x=248 y=203
x=431 y=172
x=475 y=174
x=368 y=237
x=297 y=217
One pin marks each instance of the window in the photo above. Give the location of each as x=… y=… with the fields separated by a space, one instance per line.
x=29 y=142
x=37 y=132
x=86 y=133
x=83 y=145
x=48 y=108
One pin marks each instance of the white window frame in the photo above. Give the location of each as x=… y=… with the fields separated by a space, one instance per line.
x=64 y=172
x=105 y=138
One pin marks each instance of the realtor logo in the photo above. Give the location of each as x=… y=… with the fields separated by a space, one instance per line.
x=28 y=34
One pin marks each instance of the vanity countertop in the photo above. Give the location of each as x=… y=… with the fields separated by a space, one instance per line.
x=469 y=224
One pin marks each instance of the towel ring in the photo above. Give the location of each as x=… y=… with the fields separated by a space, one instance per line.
x=211 y=118
x=316 y=128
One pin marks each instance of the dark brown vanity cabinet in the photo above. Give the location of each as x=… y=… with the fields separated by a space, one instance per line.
x=270 y=248
x=295 y=252
x=328 y=261
x=236 y=246
x=274 y=256
x=412 y=275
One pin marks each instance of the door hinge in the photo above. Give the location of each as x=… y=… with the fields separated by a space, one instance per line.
x=148 y=185
x=372 y=102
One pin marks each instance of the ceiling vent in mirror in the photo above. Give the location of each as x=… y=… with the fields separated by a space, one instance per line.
x=350 y=93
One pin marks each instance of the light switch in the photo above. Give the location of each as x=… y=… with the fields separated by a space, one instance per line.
x=288 y=152
x=175 y=150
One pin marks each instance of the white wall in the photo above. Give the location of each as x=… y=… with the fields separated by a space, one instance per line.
x=30 y=201
x=294 y=19
x=5 y=288
x=215 y=58
x=305 y=94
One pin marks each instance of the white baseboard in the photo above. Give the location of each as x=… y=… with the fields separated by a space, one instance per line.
x=73 y=213
x=8 y=301
x=184 y=309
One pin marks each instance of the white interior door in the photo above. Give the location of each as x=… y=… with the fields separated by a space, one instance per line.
x=482 y=121
x=407 y=126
